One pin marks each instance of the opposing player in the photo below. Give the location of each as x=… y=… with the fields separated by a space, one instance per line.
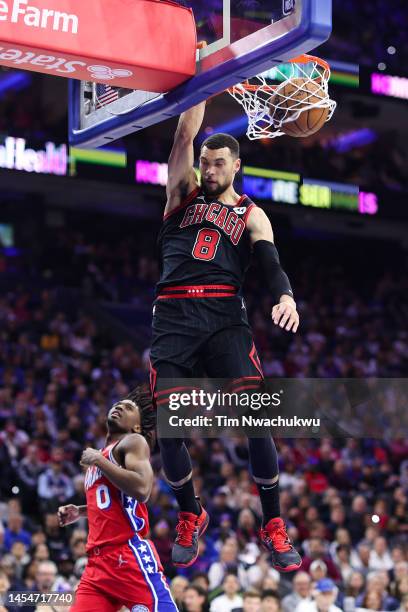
x=208 y=236
x=123 y=567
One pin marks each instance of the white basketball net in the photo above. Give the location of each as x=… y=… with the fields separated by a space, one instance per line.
x=269 y=107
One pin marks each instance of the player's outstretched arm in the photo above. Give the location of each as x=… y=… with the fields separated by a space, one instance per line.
x=135 y=478
x=182 y=179
x=284 y=313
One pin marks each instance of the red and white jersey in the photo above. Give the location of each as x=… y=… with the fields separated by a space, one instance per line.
x=113 y=517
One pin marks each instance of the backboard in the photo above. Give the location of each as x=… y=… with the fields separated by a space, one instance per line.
x=243 y=38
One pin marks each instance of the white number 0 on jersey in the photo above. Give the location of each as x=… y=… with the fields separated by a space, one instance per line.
x=103 y=499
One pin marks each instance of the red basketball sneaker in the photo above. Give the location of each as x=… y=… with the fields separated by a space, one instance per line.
x=189 y=528
x=275 y=538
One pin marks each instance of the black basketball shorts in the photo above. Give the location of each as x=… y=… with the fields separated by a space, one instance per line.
x=202 y=336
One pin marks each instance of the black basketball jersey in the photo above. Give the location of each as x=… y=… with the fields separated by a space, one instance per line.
x=204 y=241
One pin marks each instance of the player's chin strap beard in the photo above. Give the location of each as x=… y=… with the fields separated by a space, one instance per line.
x=214 y=194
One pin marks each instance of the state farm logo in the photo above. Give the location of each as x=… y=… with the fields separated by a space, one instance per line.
x=104 y=73
x=19 y=11
x=59 y=65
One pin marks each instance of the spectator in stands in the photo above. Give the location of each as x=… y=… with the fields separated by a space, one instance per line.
x=230 y=599
x=317 y=570
x=177 y=587
x=9 y=566
x=19 y=552
x=163 y=543
x=270 y=601
x=324 y=596
x=201 y=578
x=14 y=439
x=4 y=588
x=302 y=591
x=251 y=602
x=376 y=583
x=317 y=553
x=401 y=590
x=29 y=470
x=404 y=605
x=371 y=601
x=15 y=532
x=47 y=579
x=228 y=561
x=360 y=559
x=54 y=486
x=380 y=557
x=55 y=536
x=41 y=552
x=342 y=559
x=2 y=546
x=247 y=531
x=400 y=573
x=354 y=585
x=195 y=599
x=355 y=523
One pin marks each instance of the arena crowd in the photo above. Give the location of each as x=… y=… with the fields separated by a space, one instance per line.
x=62 y=368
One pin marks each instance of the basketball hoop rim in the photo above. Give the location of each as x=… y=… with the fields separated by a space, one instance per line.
x=305 y=59
x=300 y=59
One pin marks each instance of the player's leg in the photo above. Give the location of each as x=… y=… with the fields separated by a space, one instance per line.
x=90 y=598
x=115 y=576
x=172 y=357
x=231 y=354
x=143 y=561
x=174 y=454
x=193 y=519
x=94 y=602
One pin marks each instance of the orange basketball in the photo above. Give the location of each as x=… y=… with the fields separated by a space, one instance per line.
x=287 y=100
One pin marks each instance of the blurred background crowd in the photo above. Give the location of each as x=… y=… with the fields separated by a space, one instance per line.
x=76 y=292
x=382 y=25
x=74 y=339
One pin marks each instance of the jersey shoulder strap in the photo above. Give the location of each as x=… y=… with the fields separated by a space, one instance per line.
x=110 y=448
x=187 y=200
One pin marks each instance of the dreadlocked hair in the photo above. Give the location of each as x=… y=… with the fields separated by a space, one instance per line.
x=142 y=397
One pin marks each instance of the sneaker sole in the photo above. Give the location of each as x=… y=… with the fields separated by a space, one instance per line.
x=289 y=568
x=279 y=568
x=200 y=533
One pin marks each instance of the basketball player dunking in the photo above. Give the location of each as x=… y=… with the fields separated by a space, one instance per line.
x=123 y=567
x=199 y=318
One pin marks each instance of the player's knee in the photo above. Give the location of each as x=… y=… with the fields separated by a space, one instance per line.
x=170 y=445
